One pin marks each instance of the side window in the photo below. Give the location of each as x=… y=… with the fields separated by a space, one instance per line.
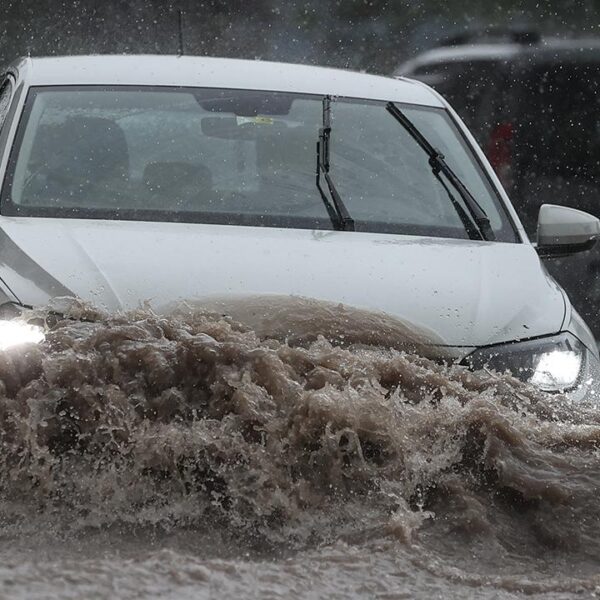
x=5 y=96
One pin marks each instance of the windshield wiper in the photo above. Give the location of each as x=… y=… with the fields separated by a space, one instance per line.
x=338 y=213
x=477 y=223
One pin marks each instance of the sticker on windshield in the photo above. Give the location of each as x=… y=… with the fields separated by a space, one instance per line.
x=255 y=120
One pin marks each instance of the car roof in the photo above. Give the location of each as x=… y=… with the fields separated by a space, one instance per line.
x=547 y=50
x=195 y=71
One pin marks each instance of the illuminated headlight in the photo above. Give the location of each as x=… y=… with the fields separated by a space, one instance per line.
x=16 y=332
x=557 y=370
x=555 y=364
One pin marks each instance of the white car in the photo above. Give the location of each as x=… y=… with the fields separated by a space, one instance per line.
x=142 y=178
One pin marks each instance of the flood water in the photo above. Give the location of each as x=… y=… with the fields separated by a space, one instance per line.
x=191 y=456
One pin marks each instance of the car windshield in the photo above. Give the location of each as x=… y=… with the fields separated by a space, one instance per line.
x=238 y=158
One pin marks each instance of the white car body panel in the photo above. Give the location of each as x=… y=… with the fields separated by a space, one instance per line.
x=468 y=293
x=219 y=73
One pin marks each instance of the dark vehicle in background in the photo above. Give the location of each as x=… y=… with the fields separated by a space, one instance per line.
x=534 y=106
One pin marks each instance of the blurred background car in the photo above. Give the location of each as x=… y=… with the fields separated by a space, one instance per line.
x=533 y=105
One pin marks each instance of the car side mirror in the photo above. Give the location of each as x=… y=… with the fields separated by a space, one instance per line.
x=562 y=231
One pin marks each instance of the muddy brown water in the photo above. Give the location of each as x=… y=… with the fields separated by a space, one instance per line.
x=191 y=456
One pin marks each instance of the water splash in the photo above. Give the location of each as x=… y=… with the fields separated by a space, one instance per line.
x=142 y=420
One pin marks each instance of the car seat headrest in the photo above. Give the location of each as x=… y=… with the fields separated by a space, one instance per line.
x=87 y=148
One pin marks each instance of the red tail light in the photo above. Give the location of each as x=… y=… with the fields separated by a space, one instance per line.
x=500 y=152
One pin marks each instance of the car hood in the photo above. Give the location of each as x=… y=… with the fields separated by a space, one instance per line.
x=466 y=293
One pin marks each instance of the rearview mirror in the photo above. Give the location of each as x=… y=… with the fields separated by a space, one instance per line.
x=562 y=231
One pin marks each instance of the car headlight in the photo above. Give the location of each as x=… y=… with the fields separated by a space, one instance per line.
x=17 y=332
x=555 y=364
